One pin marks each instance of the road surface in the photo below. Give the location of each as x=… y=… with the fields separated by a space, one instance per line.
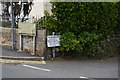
x=62 y=69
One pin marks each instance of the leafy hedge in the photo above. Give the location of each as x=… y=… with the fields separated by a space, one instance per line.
x=82 y=24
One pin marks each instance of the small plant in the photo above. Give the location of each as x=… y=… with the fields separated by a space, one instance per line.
x=39 y=23
x=6 y=23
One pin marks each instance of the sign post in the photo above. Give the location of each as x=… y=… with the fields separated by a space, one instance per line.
x=53 y=41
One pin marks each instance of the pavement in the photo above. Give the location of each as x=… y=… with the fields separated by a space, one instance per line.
x=13 y=56
x=15 y=53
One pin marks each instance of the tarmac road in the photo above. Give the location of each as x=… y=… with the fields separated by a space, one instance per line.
x=62 y=69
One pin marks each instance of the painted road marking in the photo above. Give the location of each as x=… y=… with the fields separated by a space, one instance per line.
x=21 y=61
x=36 y=68
x=83 y=77
x=22 y=57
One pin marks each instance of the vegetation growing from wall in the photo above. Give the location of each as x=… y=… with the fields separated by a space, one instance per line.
x=83 y=25
x=5 y=23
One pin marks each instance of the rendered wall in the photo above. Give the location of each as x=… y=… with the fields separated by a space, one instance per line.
x=27 y=40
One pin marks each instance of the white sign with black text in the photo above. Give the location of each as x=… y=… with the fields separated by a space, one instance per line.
x=53 y=40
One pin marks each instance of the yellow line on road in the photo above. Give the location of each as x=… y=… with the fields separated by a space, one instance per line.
x=22 y=61
x=22 y=57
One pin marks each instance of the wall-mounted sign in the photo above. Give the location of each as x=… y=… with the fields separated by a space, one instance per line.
x=53 y=40
x=27 y=28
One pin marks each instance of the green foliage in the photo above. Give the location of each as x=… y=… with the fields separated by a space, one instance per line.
x=5 y=23
x=39 y=23
x=69 y=42
x=82 y=24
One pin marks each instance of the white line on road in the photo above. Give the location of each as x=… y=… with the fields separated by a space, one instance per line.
x=83 y=77
x=36 y=68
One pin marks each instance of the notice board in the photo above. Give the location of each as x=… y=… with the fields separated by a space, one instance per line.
x=53 y=40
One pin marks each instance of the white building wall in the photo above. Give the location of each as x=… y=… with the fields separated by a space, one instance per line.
x=38 y=8
x=0 y=8
x=47 y=6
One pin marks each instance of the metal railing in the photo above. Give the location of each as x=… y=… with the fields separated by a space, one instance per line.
x=29 y=19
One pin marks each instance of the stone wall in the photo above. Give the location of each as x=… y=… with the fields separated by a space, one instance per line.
x=27 y=40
